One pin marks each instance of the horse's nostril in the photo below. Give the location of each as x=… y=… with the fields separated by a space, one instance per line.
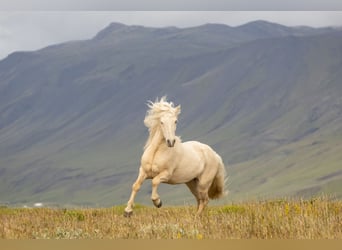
x=170 y=143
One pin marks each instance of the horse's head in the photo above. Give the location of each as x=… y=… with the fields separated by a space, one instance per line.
x=163 y=115
x=168 y=125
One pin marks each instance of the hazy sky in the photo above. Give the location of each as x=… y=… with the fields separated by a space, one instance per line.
x=31 y=30
x=147 y=5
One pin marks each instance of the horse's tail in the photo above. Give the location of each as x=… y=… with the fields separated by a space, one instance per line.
x=217 y=187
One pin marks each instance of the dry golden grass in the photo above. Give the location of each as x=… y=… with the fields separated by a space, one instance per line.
x=282 y=219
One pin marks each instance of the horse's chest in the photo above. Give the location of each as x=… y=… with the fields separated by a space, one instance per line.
x=152 y=169
x=155 y=165
x=155 y=170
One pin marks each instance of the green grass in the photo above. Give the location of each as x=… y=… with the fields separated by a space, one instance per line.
x=274 y=219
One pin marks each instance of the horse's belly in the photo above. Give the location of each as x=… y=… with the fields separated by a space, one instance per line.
x=186 y=172
x=178 y=179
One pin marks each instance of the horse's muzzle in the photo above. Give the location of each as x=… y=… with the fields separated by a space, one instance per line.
x=170 y=143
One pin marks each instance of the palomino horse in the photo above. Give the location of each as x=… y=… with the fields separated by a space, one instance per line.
x=168 y=160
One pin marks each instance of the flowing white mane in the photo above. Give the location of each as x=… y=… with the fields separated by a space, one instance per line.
x=156 y=111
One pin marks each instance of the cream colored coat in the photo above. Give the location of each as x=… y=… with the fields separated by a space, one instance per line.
x=167 y=160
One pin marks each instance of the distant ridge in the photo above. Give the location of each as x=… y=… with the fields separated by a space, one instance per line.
x=267 y=97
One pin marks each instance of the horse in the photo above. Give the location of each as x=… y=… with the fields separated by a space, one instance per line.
x=166 y=159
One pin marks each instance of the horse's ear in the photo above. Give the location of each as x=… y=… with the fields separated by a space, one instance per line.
x=178 y=109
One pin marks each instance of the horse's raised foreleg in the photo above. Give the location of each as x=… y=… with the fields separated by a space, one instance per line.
x=162 y=177
x=135 y=188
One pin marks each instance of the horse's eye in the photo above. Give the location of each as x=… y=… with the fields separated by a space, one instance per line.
x=176 y=121
x=161 y=123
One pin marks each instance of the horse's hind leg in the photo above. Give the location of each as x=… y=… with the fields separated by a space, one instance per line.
x=203 y=201
x=135 y=188
x=192 y=185
x=202 y=189
x=202 y=205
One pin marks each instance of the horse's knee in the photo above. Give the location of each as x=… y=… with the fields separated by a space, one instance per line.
x=136 y=187
x=203 y=194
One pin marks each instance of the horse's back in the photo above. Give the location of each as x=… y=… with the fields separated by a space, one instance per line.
x=204 y=150
x=208 y=159
x=208 y=155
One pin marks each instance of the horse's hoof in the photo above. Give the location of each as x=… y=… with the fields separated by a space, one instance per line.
x=128 y=214
x=160 y=204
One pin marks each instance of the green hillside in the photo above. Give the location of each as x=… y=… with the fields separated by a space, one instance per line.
x=266 y=97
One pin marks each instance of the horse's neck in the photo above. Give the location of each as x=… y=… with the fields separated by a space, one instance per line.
x=154 y=140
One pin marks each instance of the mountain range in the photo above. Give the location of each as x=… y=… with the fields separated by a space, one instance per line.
x=266 y=97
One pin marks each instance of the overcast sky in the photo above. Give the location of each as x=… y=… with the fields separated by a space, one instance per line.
x=32 y=30
x=177 y=5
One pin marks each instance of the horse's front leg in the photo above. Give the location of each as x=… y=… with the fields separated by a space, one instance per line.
x=135 y=188
x=162 y=177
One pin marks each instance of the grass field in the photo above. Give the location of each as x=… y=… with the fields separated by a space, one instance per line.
x=319 y=218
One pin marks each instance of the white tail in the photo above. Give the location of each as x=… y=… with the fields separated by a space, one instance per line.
x=217 y=188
